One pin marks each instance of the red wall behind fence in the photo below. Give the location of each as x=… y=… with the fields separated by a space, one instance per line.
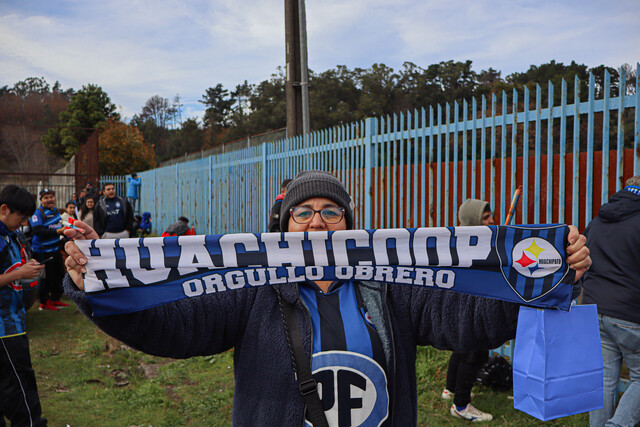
x=379 y=201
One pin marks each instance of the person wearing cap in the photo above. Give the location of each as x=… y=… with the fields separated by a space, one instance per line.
x=90 y=190
x=46 y=227
x=366 y=332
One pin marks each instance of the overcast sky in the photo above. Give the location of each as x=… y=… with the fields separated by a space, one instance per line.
x=135 y=49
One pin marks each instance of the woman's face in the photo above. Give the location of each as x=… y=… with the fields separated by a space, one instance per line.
x=317 y=223
x=90 y=203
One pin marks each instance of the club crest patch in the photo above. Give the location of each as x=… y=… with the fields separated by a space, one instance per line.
x=352 y=387
x=530 y=260
x=535 y=257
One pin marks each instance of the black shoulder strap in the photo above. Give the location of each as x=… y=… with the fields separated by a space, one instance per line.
x=307 y=385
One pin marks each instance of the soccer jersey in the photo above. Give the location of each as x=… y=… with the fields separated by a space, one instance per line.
x=348 y=358
x=115 y=215
x=48 y=218
x=12 y=315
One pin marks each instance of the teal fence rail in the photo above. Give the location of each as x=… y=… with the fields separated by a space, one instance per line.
x=569 y=152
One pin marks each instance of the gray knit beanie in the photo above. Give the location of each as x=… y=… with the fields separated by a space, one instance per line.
x=314 y=183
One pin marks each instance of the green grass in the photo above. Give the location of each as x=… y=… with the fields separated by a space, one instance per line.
x=86 y=378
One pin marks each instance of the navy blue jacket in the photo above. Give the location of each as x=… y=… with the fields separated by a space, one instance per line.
x=613 y=238
x=12 y=314
x=44 y=225
x=249 y=320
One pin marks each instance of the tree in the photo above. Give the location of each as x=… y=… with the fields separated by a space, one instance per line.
x=554 y=72
x=159 y=110
x=219 y=106
x=121 y=149
x=26 y=110
x=22 y=145
x=89 y=108
x=630 y=72
x=378 y=87
x=177 y=110
x=188 y=139
x=333 y=97
x=268 y=104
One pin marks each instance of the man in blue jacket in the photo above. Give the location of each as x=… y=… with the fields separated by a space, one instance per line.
x=19 y=401
x=361 y=337
x=613 y=283
x=133 y=189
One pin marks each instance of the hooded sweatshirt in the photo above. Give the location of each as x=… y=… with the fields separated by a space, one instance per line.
x=613 y=238
x=470 y=212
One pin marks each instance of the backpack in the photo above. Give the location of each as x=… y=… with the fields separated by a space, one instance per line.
x=497 y=373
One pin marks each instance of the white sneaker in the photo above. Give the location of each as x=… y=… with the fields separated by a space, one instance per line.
x=471 y=413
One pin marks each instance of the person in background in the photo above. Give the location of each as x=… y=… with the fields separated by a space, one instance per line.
x=274 y=218
x=46 y=228
x=135 y=228
x=70 y=212
x=75 y=200
x=613 y=284
x=86 y=211
x=19 y=400
x=145 y=224
x=180 y=228
x=464 y=366
x=366 y=332
x=133 y=189
x=113 y=215
x=90 y=191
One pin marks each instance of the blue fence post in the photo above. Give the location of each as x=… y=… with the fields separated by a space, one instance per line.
x=210 y=194
x=588 y=196
x=266 y=150
x=370 y=129
x=636 y=144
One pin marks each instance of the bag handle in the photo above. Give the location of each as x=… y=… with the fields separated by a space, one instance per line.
x=306 y=384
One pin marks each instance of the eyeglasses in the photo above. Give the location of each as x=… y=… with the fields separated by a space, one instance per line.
x=330 y=215
x=22 y=217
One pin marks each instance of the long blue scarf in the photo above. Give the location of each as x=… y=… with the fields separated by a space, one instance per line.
x=522 y=264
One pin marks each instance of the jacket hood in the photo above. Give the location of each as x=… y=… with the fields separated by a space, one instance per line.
x=470 y=212
x=622 y=205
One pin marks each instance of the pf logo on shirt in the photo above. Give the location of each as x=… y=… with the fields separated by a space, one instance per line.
x=352 y=387
x=535 y=257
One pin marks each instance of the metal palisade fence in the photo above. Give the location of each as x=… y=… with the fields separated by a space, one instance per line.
x=414 y=169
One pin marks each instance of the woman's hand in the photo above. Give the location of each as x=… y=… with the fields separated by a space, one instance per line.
x=76 y=260
x=577 y=252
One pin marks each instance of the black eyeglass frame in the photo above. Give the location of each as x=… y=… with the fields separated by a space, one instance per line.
x=342 y=211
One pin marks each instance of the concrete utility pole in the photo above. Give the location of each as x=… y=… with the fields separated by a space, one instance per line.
x=297 y=84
